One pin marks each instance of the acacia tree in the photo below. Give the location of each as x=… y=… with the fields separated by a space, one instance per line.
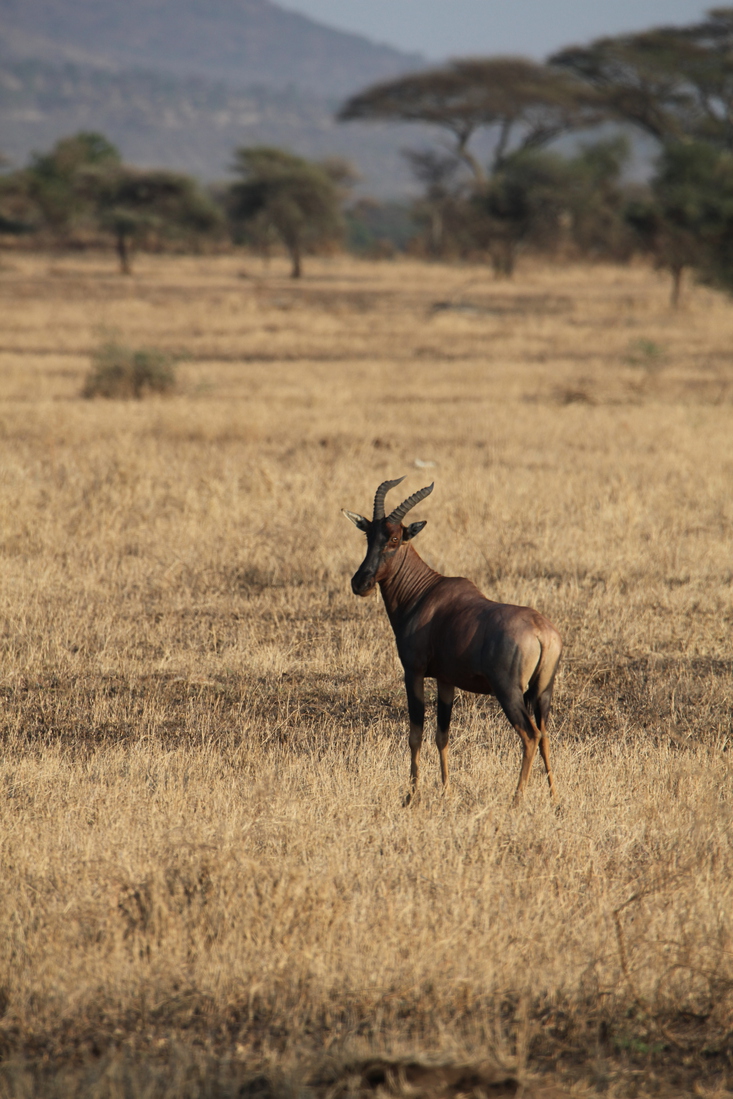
x=82 y=183
x=525 y=103
x=49 y=185
x=597 y=197
x=131 y=203
x=295 y=198
x=687 y=219
x=672 y=82
x=546 y=200
x=525 y=199
x=676 y=84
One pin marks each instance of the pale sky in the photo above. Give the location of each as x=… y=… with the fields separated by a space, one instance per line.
x=535 y=28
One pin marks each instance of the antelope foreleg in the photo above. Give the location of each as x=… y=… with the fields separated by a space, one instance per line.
x=415 y=687
x=446 y=694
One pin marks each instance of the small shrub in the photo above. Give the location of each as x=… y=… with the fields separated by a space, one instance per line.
x=120 y=372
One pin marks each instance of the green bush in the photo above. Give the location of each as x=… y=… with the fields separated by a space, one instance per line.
x=120 y=372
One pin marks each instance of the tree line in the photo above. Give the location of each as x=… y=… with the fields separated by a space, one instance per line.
x=81 y=192
x=674 y=84
x=527 y=155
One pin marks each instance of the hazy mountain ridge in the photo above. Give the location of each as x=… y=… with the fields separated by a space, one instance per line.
x=187 y=123
x=241 y=41
x=181 y=83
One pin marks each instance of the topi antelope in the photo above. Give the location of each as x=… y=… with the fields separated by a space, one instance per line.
x=447 y=630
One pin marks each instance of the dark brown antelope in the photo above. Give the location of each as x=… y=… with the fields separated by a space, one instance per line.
x=447 y=630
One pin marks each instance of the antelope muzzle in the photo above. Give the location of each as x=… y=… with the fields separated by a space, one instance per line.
x=364 y=579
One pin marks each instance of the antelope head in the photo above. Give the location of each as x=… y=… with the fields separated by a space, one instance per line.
x=385 y=537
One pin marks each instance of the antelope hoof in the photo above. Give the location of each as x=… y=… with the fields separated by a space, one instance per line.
x=410 y=798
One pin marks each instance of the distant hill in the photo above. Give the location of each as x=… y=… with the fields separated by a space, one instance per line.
x=243 y=42
x=181 y=83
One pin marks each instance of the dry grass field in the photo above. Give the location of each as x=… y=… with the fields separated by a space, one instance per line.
x=209 y=883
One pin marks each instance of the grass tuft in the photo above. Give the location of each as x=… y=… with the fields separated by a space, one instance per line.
x=119 y=372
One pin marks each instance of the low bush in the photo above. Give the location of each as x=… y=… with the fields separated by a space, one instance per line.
x=120 y=372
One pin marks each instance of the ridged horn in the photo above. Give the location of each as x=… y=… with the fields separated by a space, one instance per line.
x=399 y=513
x=380 y=495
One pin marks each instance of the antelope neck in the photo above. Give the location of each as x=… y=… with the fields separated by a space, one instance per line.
x=408 y=583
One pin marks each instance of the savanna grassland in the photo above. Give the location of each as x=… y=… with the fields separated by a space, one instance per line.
x=209 y=883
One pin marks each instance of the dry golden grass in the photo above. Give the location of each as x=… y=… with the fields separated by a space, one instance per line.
x=206 y=869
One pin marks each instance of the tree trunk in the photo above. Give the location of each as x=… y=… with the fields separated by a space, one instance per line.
x=295 y=271
x=674 y=300
x=503 y=258
x=123 y=253
x=464 y=153
x=501 y=146
x=436 y=233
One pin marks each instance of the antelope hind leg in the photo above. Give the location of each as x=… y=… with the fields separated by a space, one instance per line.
x=446 y=694
x=520 y=720
x=541 y=712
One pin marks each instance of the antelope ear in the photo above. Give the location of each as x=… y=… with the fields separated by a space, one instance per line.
x=412 y=530
x=358 y=520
